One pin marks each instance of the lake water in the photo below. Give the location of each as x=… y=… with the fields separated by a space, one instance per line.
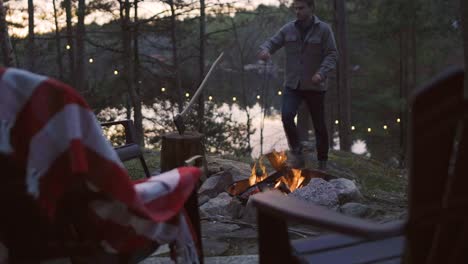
x=273 y=133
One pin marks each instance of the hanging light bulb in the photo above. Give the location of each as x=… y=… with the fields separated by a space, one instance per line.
x=369 y=130
x=163 y=89
x=91 y=60
x=353 y=128
x=234 y=99
x=210 y=97
x=258 y=97
x=385 y=127
x=280 y=93
x=187 y=95
x=116 y=72
x=398 y=120
x=68 y=47
x=337 y=122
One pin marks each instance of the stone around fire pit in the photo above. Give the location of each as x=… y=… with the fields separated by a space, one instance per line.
x=319 y=192
x=347 y=190
x=216 y=184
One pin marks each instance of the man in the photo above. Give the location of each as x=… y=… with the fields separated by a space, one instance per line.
x=310 y=55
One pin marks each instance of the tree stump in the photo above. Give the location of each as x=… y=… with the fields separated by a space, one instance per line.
x=176 y=149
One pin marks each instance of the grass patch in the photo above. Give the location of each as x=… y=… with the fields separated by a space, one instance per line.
x=373 y=176
x=152 y=158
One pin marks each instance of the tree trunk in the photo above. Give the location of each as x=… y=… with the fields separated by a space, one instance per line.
x=344 y=93
x=80 y=76
x=201 y=98
x=128 y=72
x=464 y=23
x=243 y=85
x=175 y=57
x=31 y=50
x=137 y=113
x=71 y=53
x=408 y=69
x=5 y=44
x=58 y=42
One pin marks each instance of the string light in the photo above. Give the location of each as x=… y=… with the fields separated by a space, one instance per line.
x=353 y=128
x=210 y=97
x=163 y=89
x=68 y=47
x=91 y=60
x=398 y=120
x=258 y=97
x=369 y=129
x=337 y=122
x=187 y=95
x=116 y=72
x=385 y=127
x=280 y=93
x=234 y=99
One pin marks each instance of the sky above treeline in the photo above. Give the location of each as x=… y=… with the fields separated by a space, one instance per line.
x=44 y=21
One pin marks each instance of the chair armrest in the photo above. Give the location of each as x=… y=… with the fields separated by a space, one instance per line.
x=290 y=208
x=128 y=126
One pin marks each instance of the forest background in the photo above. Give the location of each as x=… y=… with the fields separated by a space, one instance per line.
x=143 y=60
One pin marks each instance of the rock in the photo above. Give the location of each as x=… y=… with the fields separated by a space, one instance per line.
x=355 y=209
x=347 y=190
x=244 y=233
x=244 y=259
x=238 y=170
x=235 y=208
x=214 y=247
x=202 y=199
x=216 y=184
x=214 y=229
x=249 y=212
x=217 y=206
x=319 y=192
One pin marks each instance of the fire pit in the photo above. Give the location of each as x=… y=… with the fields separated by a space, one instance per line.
x=285 y=179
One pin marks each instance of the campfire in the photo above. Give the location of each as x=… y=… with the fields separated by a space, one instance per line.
x=284 y=178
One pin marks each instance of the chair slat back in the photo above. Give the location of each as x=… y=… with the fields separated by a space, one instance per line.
x=435 y=115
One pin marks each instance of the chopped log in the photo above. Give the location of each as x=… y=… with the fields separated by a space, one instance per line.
x=177 y=148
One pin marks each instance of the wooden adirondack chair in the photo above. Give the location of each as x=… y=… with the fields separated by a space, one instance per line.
x=131 y=150
x=436 y=230
x=31 y=234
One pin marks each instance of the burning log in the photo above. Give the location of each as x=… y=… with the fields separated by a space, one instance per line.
x=285 y=179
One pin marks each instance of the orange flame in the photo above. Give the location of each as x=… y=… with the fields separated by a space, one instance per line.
x=293 y=178
x=254 y=178
x=277 y=159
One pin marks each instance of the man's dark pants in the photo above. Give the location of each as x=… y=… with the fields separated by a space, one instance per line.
x=315 y=101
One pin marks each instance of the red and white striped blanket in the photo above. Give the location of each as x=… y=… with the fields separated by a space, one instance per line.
x=47 y=128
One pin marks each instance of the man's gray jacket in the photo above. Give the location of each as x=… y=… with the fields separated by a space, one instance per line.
x=317 y=54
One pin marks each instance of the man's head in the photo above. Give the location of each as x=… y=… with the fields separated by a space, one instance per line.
x=303 y=8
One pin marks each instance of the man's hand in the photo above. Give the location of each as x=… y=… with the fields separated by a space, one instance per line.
x=317 y=78
x=264 y=55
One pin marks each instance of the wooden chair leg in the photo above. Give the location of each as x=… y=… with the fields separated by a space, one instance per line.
x=191 y=207
x=274 y=247
x=145 y=167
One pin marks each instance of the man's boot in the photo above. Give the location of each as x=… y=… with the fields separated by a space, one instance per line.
x=296 y=160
